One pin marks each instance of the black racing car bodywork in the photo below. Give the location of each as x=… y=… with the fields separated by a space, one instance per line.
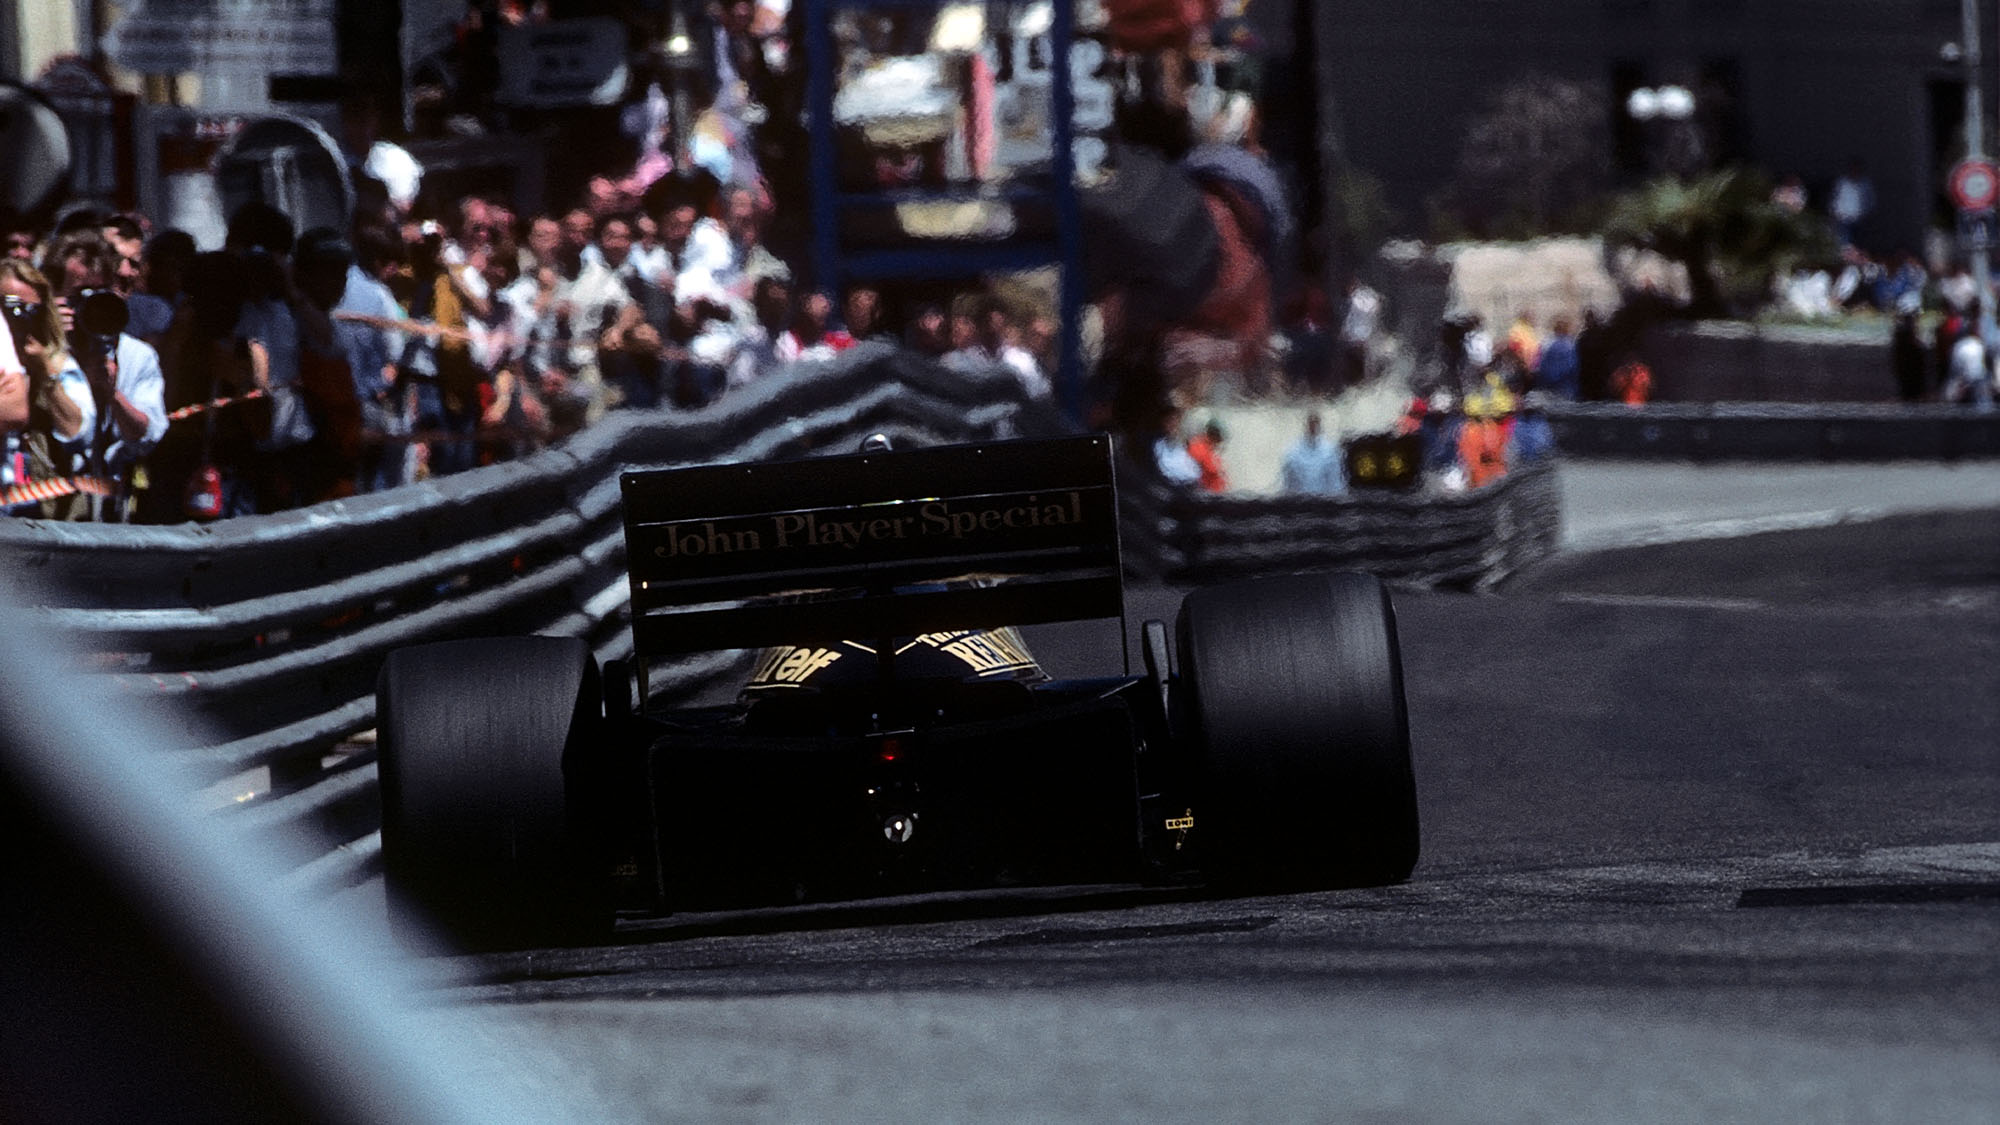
x=895 y=734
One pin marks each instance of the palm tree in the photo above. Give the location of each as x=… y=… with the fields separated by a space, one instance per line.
x=1725 y=229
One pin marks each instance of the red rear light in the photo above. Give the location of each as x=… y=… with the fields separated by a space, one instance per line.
x=891 y=748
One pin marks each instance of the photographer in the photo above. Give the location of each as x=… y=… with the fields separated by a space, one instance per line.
x=123 y=372
x=46 y=408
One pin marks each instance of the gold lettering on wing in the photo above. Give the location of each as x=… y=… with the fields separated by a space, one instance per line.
x=888 y=523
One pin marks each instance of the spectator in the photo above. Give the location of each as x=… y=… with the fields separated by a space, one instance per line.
x=202 y=468
x=628 y=331
x=1524 y=344
x=1809 y=293
x=1206 y=449
x=1970 y=377
x=1358 y=325
x=579 y=230
x=161 y=269
x=1903 y=278
x=861 y=316
x=1482 y=442
x=46 y=405
x=126 y=385
x=992 y=346
x=1593 y=357
x=1958 y=291
x=326 y=363
x=1309 y=351
x=1042 y=340
x=771 y=308
x=127 y=238
x=1532 y=438
x=1855 y=286
x=19 y=244
x=707 y=334
x=1312 y=464
x=1170 y=454
x=373 y=348
x=694 y=244
x=929 y=334
x=649 y=258
x=806 y=339
x=1478 y=353
x=1560 y=375
x=749 y=259
x=542 y=243
x=1790 y=193
x=263 y=236
x=1851 y=202
x=1633 y=381
x=598 y=307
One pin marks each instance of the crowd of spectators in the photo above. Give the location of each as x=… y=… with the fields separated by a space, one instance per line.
x=428 y=337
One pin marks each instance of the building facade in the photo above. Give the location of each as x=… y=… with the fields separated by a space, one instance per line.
x=1790 y=86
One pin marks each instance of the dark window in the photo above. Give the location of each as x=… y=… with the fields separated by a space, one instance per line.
x=1719 y=108
x=1628 y=137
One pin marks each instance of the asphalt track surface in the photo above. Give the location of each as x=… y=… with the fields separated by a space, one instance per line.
x=1711 y=833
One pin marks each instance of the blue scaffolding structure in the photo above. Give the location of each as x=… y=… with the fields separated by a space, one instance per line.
x=837 y=264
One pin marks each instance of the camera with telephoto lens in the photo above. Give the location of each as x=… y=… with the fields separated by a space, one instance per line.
x=24 y=320
x=100 y=315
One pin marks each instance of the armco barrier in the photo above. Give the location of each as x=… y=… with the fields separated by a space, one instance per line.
x=1770 y=431
x=1419 y=538
x=269 y=631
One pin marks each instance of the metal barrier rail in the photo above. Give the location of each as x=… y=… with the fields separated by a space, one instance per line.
x=268 y=631
x=1425 y=538
x=1775 y=431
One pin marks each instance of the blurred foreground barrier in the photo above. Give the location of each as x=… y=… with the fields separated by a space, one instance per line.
x=268 y=632
x=1772 y=431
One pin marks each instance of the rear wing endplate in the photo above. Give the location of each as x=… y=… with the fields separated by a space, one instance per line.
x=873 y=545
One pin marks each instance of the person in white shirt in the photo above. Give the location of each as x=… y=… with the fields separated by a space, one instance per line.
x=992 y=346
x=1969 y=373
x=123 y=372
x=1170 y=453
x=806 y=341
x=1357 y=331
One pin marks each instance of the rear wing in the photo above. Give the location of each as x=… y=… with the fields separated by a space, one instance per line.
x=874 y=545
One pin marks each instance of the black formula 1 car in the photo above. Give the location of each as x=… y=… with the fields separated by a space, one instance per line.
x=896 y=735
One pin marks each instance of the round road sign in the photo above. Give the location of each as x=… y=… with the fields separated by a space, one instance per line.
x=1975 y=184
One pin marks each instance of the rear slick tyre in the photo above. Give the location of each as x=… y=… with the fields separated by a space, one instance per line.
x=482 y=746
x=1291 y=689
